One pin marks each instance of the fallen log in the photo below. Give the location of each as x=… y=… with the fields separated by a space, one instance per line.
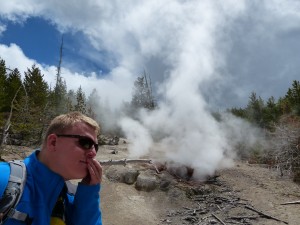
x=290 y=203
x=123 y=161
x=265 y=215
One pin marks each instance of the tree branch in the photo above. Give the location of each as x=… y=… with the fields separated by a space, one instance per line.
x=265 y=215
x=290 y=203
x=123 y=161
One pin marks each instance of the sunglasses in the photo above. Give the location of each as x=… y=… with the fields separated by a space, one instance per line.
x=85 y=142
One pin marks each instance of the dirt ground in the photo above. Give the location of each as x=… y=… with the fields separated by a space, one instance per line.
x=266 y=191
x=223 y=201
x=243 y=185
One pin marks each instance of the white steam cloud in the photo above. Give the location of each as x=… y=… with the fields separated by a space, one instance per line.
x=189 y=133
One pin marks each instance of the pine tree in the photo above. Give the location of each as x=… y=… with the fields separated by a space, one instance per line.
x=36 y=87
x=59 y=96
x=254 y=110
x=3 y=77
x=33 y=119
x=71 y=100
x=239 y=112
x=142 y=94
x=13 y=85
x=293 y=97
x=81 y=101
x=271 y=113
x=284 y=106
x=93 y=104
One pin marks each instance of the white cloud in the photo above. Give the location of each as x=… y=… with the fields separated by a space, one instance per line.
x=18 y=11
x=2 y=28
x=115 y=88
x=15 y=58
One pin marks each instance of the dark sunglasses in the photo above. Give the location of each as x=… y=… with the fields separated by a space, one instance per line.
x=85 y=142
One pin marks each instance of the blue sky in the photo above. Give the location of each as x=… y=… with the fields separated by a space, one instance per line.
x=228 y=50
x=38 y=39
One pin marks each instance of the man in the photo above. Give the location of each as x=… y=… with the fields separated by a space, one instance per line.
x=68 y=152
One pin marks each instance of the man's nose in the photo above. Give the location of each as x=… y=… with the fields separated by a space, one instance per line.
x=91 y=153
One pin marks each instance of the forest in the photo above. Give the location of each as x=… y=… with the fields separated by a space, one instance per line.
x=27 y=106
x=280 y=122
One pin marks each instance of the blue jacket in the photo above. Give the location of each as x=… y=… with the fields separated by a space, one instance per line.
x=42 y=190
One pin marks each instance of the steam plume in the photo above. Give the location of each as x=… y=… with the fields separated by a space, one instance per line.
x=184 y=129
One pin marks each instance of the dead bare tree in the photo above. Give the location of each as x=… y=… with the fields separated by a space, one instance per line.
x=286 y=145
x=48 y=112
x=7 y=125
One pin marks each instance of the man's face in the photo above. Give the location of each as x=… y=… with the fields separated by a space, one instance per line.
x=71 y=156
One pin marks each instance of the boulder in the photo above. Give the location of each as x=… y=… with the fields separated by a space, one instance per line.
x=130 y=176
x=146 y=182
x=122 y=174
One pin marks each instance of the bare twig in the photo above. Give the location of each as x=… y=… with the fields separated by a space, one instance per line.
x=221 y=221
x=290 y=203
x=124 y=161
x=243 y=217
x=155 y=167
x=265 y=215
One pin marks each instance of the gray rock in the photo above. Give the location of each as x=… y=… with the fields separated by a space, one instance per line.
x=130 y=176
x=115 y=173
x=122 y=174
x=146 y=182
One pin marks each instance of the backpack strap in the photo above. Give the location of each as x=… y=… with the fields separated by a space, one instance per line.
x=14 y=191
x=18 y=176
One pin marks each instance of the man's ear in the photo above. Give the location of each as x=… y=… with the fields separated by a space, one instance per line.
x=51 y=142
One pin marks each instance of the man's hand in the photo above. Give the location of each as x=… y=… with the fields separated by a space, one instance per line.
x=94 y=172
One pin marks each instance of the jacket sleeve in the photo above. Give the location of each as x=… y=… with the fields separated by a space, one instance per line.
x=84 y=207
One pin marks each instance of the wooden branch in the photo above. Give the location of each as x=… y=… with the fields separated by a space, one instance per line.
x=124 y=161
x=221 y=221
x=265 y=215
x=243 y=217
x=290 y=203
x=8 y=122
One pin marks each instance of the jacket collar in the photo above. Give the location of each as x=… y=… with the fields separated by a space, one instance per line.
x=47 y=184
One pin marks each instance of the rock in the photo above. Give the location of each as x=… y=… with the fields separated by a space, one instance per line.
x=113 y=141
x=115 y=173
x=164 y=185
x=165 y=182
x=115 y=151
x=146 y=182
x=200 y=190
x=130 y=176
x=122 y=174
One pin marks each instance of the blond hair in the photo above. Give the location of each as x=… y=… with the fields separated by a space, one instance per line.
x=65 y=121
